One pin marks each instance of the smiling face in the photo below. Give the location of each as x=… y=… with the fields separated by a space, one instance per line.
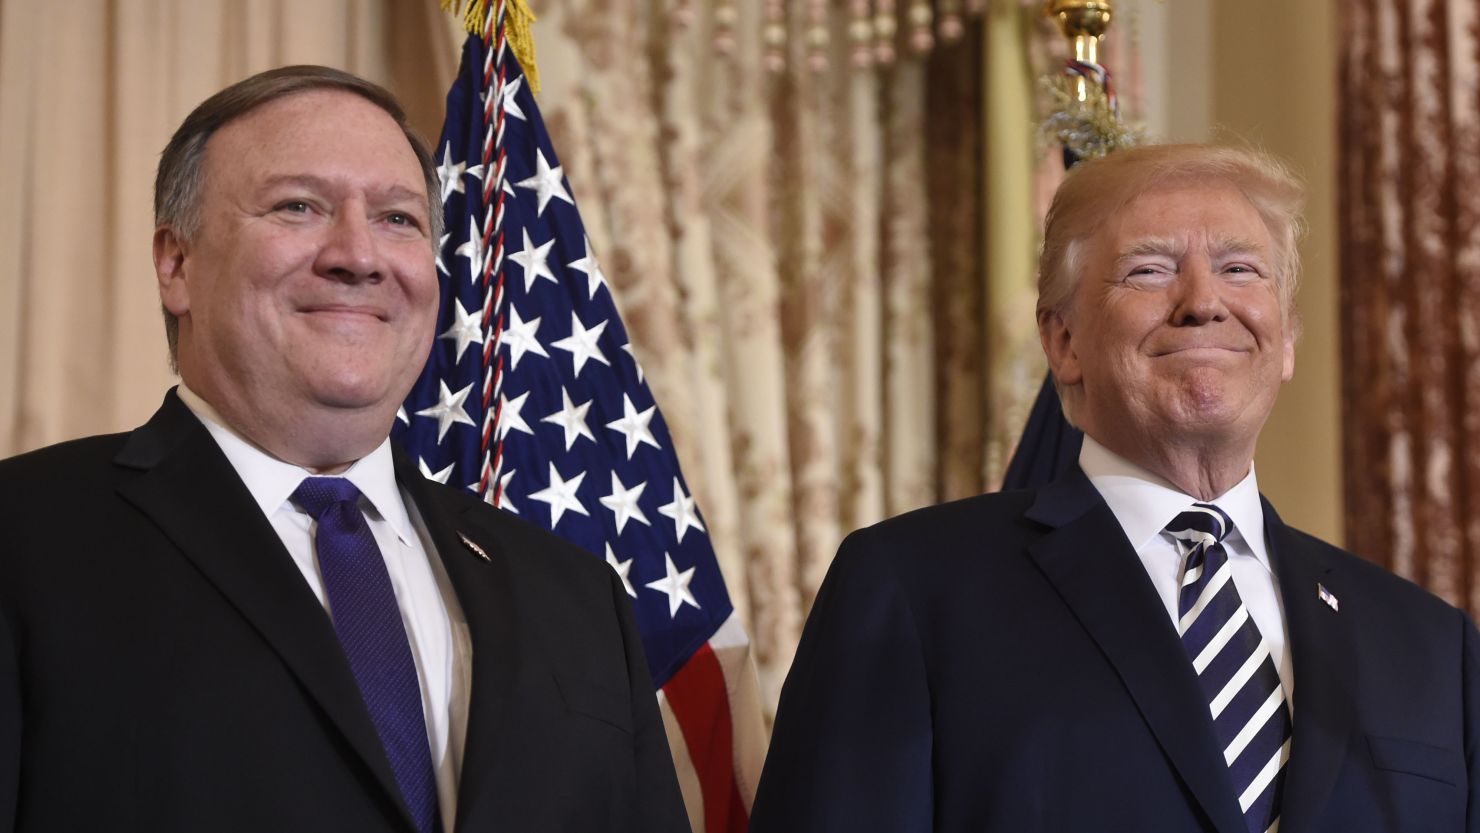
x=1175 y=332
x=308 y=297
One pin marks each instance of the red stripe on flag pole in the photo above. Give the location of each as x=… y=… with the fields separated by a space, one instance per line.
x=696 y=693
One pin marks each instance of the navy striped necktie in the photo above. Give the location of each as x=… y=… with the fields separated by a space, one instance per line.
x=1234 y=666
x=367 y=620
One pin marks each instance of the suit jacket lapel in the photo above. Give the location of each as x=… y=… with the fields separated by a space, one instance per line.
x=1323 y=658
x=181 y=469
x=1087 y=558
x=477 y=565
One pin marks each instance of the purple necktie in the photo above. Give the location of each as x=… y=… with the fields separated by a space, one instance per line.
x=368 y=623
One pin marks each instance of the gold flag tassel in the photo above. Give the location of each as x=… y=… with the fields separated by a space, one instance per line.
x=1089 y=127
x=472 y=16
x=518 y=30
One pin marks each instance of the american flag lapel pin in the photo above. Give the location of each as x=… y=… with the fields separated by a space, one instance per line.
x=1328 y=597
x=478 y=551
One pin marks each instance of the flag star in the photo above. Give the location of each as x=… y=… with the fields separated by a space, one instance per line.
x=623 y=568
x=535 y=260
x=401 y=415
x=634 y=426
x=520 y=338
x=441 y=248
x=448 y=410
x=676 y=585
x=511 y=106
x=504 y=501
x=510 y=416
x=572 y=418
x=450 y=173
x=561 y=495
x=476 y=172
x=581 y=343
x=682 y=511
x=426 y=471
x=467 y=327
x=587 y=265
x=623 y=503
x=627 y=348
x=546 y=183
x=472 y=249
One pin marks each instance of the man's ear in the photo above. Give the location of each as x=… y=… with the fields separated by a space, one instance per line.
x=1291 y=335
x=1058 y=346
x=169 y=270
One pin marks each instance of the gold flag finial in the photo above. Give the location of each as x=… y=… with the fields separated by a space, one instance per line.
x=1084 y=23
x=1085 y=118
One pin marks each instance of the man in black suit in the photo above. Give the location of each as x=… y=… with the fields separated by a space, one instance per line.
x=1142 y=645
x=251 y=614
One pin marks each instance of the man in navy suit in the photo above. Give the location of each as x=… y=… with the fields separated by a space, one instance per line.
x=252 y=613
x=1141 y=645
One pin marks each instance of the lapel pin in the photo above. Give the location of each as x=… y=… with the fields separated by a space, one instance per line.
x=478 y=551
x=1326 y=596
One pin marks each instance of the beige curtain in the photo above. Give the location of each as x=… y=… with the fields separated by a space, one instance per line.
x=1409 y=174
x=826 y=273
x=89 y=94
x=802 y=258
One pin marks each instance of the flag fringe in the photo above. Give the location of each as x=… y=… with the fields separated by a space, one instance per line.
x=472 y=16
x=518 y=30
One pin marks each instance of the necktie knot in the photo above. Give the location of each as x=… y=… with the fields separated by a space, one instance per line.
x=318 y=495
x=1203 y=524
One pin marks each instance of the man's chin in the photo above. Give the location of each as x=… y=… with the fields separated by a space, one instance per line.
x=1220 y=418
x=359 y=397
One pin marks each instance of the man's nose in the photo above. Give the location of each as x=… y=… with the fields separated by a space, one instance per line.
x=1199 y=296
x=350 y=252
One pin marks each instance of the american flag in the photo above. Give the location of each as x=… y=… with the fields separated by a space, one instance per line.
x=533 y=396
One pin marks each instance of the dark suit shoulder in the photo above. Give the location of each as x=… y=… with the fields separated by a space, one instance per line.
x=939 y=556
x=1402 y=595
x=61 y=463
x=948 y=530
x=975 y=512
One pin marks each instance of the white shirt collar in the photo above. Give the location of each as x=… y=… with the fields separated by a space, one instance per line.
x=271 y=481
x=1145 y=503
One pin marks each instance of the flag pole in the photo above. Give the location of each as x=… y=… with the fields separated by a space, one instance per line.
x=1086 y=123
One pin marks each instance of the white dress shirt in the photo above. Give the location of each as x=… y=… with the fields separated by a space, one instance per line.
x=435 y=626
x=1144 y=504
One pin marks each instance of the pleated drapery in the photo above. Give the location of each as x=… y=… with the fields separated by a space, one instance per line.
x=1410 y=288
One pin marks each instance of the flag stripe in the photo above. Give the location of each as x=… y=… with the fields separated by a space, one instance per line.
x=683 y=766
x=697 y=694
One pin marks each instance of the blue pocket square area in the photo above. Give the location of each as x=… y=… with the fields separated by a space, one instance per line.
x=1437 y=763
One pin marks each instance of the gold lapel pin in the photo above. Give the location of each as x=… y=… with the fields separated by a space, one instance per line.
x=477 y=550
